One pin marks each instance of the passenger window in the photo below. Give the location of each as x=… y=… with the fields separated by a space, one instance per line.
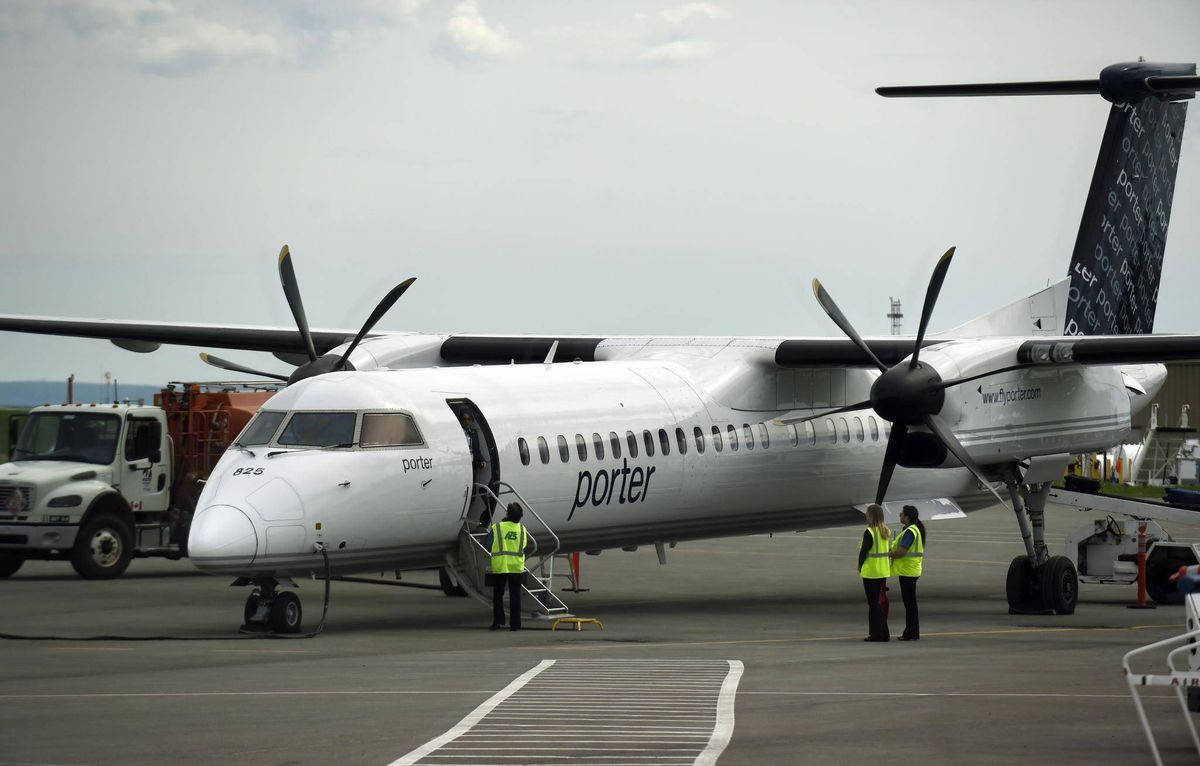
x=874 y=429
x=664 y=442
x=681 y=441
x=717 y=438
x=581 y=447
x=764 y=437
x=598 y=445
x=543 y=450
x=795 y=434
x=811 y=433
x=746 y=432
x=699 y=434
x=523 y=448
x=615 y=441
x=732 y=431
x=844 y=428
x=648 y=440
x=564 y=452
x=389 y=429
x=858 y=429
x=631 y=440
x=832 y=431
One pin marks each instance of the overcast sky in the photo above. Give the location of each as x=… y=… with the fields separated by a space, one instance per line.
x=547 y=167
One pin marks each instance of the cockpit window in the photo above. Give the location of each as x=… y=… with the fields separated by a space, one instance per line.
x=319 y=429
x=391 y=429
x=261 y=429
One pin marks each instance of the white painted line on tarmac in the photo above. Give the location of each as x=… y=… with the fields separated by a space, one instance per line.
x=474 y=717
x=293 y=693
x=724 y=728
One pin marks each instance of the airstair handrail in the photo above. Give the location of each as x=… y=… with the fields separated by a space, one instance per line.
x=506 y=488
x=1172 y=679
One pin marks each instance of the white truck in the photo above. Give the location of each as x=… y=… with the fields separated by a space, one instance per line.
x=100 y=484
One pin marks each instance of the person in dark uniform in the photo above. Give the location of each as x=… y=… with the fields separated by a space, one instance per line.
x=468 y=426
x=508 y=540
x=874 y=566
x=908 y=558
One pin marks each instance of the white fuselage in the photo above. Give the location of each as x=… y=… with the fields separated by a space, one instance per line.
x=383 y=508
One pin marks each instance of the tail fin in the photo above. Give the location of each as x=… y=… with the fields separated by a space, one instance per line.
x=1117 y=262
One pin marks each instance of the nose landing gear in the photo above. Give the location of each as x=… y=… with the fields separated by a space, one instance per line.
x=268 y=609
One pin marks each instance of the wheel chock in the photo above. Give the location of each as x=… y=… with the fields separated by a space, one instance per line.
x=578 y=622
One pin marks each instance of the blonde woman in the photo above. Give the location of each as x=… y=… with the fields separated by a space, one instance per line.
x=874 y=565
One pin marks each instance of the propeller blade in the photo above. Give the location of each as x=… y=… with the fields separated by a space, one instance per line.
x=291 y=290
x=840 y=320
x=931 y=296
x=819 y=415
x=225 y=364
x=890 y=458
x=947 y=437
x=959 y=381
x=384 y=305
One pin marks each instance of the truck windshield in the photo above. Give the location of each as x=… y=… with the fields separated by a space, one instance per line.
x=84 y=437
x=319 y=429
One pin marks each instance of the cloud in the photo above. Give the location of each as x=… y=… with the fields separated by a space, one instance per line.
x=469 y=37
x=199 y=45
x=683 y=13
x=679 y=52
x=182 y=37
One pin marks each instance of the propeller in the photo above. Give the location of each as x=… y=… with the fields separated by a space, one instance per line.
x=907 y=394
x=316 y=365
x=225 y=364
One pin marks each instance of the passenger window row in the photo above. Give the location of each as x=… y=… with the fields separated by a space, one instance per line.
x=649 y=443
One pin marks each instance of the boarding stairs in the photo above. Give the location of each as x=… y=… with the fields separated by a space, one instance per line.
x=470 y=562
x=1161 y=445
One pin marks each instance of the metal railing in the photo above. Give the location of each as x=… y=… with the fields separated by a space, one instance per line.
x=1177 y=678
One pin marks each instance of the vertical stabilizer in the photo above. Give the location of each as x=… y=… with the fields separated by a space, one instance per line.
x=1118 y=256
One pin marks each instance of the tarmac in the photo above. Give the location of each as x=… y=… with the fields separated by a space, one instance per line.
x=398 y=668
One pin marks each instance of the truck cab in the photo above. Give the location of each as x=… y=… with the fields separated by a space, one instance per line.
x=90 y=483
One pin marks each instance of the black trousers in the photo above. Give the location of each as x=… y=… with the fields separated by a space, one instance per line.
x=908 y=589
x=875 y=619
x=513 y=581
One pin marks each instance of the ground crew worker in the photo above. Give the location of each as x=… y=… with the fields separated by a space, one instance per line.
x=874 y=565
x=507 y=542
x=908 y=557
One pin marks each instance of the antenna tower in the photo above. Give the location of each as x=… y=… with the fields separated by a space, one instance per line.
x=896 y=316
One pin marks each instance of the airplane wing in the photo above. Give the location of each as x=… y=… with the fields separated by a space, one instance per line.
x=148 y=336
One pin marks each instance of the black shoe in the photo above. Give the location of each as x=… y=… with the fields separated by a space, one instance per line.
x=515 y=627
x=494 y=626
x=910 y=638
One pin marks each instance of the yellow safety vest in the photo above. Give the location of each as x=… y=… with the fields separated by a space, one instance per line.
x=877 y=564
x=508 y=547
x=910 y=564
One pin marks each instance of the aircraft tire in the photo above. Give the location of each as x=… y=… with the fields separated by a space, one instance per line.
x=448 y=586
x=103 y=548
x=10 y=562
x=251 y=608
x=1018 y=586
x=1060 y=585
x=286 y=613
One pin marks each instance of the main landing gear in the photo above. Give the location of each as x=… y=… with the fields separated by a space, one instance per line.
x=1037 y=582
x=269 y=609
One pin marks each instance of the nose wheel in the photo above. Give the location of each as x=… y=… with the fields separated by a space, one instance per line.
x=270 y=610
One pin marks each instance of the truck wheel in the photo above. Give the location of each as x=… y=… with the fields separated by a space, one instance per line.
x=1060 y=585
x=1018 y=586
x=103 y=548
x=1158 y=584
x=286 y=612
x=10 y=562
x=448 y=586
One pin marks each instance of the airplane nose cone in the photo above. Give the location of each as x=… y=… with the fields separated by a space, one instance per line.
x=222 y=537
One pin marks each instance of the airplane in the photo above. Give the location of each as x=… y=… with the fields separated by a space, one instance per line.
x=361 y=463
